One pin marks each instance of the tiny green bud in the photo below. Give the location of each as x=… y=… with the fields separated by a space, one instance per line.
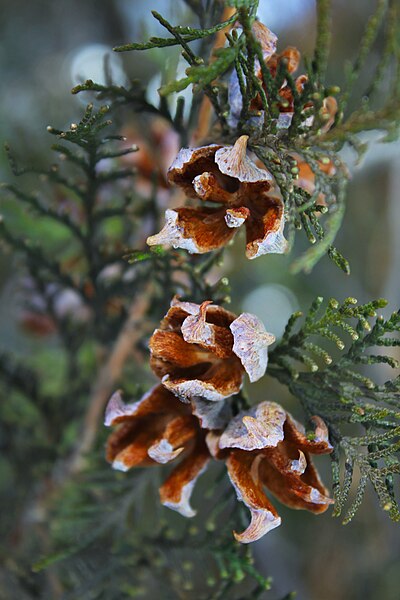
x=333 y=90
x=210 y=525
x=238 y=576
x=267 y=584
x=170 y=534
x=193 y=530
x=224 y=574
x=333 y=303
x=188 y=585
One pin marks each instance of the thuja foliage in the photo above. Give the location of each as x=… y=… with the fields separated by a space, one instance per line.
x=95 y=291
x=350 y=393
x=314 y=143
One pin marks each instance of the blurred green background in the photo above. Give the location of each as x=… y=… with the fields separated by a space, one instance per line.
x=48 y=46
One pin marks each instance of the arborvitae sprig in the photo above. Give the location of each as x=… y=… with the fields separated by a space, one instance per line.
x=276 y=152
x=334 y=324
x=187 y=34
x=319 y=221
x=46 y=407
x=310 y=142
x=378 y=110
x=341 y=389
x=319 y=215
x=83 y=217
x=65 y=267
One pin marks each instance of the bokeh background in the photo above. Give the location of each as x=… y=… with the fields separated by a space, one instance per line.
x=47 y=47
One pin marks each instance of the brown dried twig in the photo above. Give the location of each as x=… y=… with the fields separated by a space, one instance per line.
x=109 y=375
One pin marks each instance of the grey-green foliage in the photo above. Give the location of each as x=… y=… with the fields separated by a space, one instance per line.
x=339 y=386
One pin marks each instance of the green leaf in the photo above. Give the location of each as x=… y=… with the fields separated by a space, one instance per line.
x=137 y=256
x=309 y=259
x=203 y=75
x=188 y=34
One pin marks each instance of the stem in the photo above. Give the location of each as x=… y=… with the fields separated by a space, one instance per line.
x=107 y=379
x=323 y=41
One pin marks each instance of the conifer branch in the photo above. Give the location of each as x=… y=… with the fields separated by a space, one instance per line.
x=186 y=35
x=341 y=393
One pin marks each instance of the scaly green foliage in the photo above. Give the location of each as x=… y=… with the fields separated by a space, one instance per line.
x=344 y=391
x=278 y=148
x=186 y=35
